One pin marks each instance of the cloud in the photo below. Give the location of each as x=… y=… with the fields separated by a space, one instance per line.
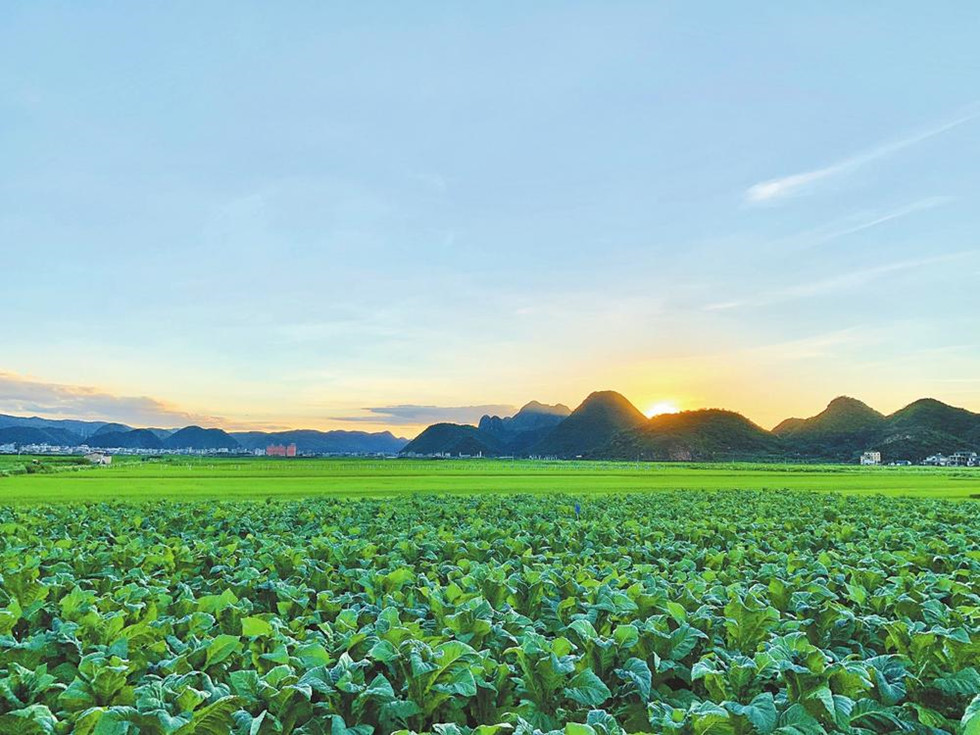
x=413 y=415
x=874 y=220
x=814 y=346
x=773 y=189
x=22 y=395
x=852 y=279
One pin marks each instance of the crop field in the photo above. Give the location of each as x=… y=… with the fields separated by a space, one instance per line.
x=365 y=597
x=254 y=478
x=670 y=612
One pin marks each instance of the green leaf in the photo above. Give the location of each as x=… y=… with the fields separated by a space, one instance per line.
x=964 y=683
x=710 y=719
x=684 y=640
x=212 y=719
x=760 y=712
x=638 y=672
x=971 y=718
x=221 y=648
x=748 y=622
x=339 y=727
x=588 y=689
x=253 y=627
x=34 y=720
x=9 y=617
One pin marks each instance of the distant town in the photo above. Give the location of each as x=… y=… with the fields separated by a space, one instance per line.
x=103 y=455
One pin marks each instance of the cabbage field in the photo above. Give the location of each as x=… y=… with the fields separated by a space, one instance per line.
x=723 y=612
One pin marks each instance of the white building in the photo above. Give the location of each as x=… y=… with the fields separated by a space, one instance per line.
x=962 y=459
x=100 y=458
x=871 y=458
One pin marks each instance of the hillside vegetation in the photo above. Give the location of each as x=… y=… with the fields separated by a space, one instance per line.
x=607 y=426
x=593 y=424
x=698 y=436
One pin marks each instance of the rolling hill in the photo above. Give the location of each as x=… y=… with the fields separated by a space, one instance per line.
x=607 y=426
x=518 y=433
x=20 y=435
x=693 y=436
x=111 y=428
x=593 y=424
x=841 y=432
x=194 y=437
x=132 y=439
x=928 y=426
x=75 y=427
x=847 y=427
x=454 y=439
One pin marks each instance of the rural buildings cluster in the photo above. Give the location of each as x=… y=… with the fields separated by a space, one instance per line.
x=956 y=459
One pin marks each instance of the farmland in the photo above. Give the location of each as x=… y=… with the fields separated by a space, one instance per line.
x=208 y=478
x=338 y=596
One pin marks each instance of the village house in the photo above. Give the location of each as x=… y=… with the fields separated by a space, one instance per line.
x=871 y=458
x=99 y=458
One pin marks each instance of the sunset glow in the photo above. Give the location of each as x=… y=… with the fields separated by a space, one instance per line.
x=662 y=407
x=742 y=229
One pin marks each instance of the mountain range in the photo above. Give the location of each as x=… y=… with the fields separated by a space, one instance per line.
x=21 y=430
x=607 y=426
x=604 y=426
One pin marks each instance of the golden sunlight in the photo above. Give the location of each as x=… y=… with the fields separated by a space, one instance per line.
x=662 y=407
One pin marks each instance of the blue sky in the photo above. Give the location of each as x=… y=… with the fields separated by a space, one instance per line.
x=379 y=215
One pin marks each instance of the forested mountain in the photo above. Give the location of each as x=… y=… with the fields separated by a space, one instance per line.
x=694 y=436
x=455 y=439
x=840 y=432
x=132 y=439
x=520 y=432
x=76 y=428
x=593 y=424
x=607 y=426
x=848 y=427
x=195 y=437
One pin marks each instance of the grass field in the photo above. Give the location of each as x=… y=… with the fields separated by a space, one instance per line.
x=184 y=478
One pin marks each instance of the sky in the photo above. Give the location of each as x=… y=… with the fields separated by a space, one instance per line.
x=379 y=215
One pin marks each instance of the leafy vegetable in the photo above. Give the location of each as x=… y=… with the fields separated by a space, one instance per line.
x=741 y=613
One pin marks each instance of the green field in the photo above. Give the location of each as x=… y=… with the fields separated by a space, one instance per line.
x=693 y=613
x=486 y=597
x=186 y=478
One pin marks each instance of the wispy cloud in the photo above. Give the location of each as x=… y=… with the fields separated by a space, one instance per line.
x=814 y=346
x=850 y=280
x=774 y=189
x=874 y=219
x=21 y=395
x=413 y=415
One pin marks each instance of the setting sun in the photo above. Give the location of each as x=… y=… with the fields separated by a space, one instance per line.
x=662 y=407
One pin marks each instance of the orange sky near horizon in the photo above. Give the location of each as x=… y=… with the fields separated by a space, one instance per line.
x=765 y=389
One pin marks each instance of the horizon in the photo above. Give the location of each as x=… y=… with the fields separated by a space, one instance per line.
x=372 y=219
x=657 y=409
